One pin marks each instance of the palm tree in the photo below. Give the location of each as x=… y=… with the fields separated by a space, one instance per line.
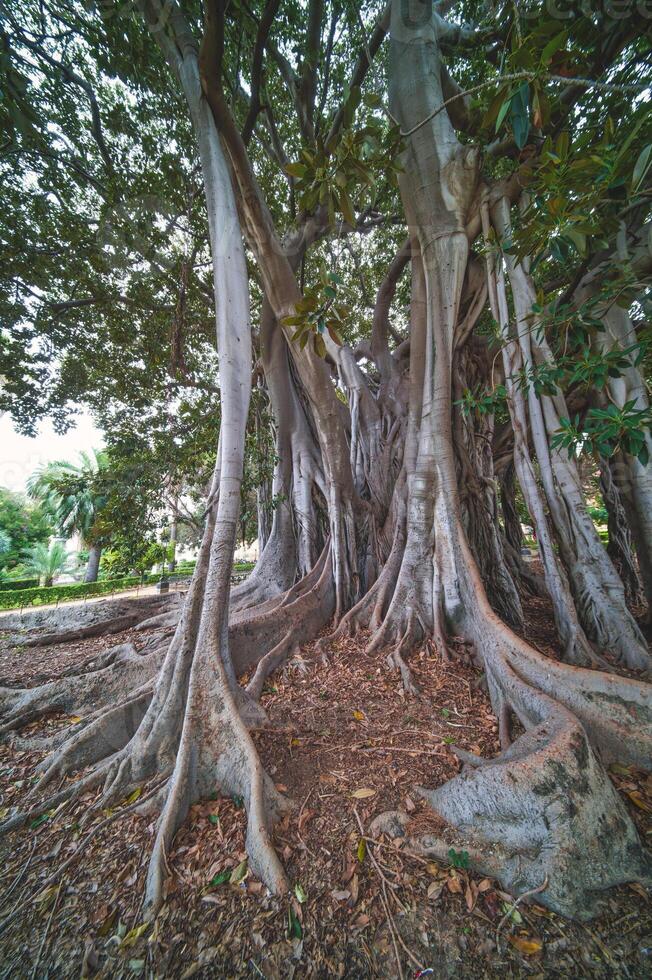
x=46 y=562
x=74 y=495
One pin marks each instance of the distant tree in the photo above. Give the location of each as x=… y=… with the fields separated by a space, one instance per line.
x=127 y=556
x=75 y=495
x=21 y=526
x=46 y=562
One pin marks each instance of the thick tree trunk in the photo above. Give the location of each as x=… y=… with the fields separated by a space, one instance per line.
x=543 y=812
x=186 y=728
x=172 y=563
x=598 y=591
x=619 y=547
x=575 y=644
x=531 y=816
x=479 y=505
x=93 y=567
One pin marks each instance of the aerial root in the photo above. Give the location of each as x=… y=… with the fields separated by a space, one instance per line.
x=277 y=656
x=414 y=631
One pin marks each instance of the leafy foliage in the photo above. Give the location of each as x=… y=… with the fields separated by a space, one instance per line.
x=46 y=562
x=23 y=525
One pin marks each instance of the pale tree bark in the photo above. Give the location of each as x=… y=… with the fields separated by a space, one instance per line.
x=504 y=812
x=93 y=566
x=619 y=548
x=473 y=435
x=633 y=479
x=575 y=644
x=598 y=591
x=186 y=728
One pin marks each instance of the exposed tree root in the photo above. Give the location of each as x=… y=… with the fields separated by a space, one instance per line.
x=82 y=693
x=68 y=623
x=309 y=604
x=165 y=713
x=117 y=625
x=545 y=806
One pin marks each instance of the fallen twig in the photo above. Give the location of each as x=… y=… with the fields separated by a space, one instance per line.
x=533 y=891
x=45 y=934
x=66 y=864
x=19 y=877
x=383 y=897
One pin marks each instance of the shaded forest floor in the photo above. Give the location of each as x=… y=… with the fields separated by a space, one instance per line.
x=345 y=743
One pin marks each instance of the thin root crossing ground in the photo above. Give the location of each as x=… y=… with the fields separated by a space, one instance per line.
x=344 y=743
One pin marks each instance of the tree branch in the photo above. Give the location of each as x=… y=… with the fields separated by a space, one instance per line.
x=264 y=27
x=362 y=66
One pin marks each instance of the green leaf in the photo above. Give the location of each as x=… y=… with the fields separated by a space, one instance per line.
x=214 y=819
x=220 y=879
x=346 y=207
x=296 y=169
x=553 y=46
x=300 y=893
x=319 y=345
x=362 y=849
x=504 y=109
x=294 y=926
x=641 y=166
x=239 y=873
x=520 y=114
x=494 y=107
x=334 y=335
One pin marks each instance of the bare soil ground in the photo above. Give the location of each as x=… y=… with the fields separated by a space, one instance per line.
x=344 y=743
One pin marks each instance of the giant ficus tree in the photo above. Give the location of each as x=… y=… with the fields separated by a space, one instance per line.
x=487 y=176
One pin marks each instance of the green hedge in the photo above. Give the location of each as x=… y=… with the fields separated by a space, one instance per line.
x=18 y=598
x=19 y=583
x=78 y=590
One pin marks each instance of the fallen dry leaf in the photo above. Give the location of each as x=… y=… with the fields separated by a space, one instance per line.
x=435 y=888
x=363 y=794
x=469 y=898
x=341 y=896
x=525 y=945
x=305 y=817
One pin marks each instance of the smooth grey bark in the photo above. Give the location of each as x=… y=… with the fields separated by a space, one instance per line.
x=93 y=566
x=189 y=731
x=620 y=547
x=545 y=806
x=174 y=526
x=632 y=477
x=473 y=435
x=575 y=645
x=494 y=810
x=598 y=591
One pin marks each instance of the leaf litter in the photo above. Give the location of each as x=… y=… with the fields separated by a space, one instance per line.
x=356 y=903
